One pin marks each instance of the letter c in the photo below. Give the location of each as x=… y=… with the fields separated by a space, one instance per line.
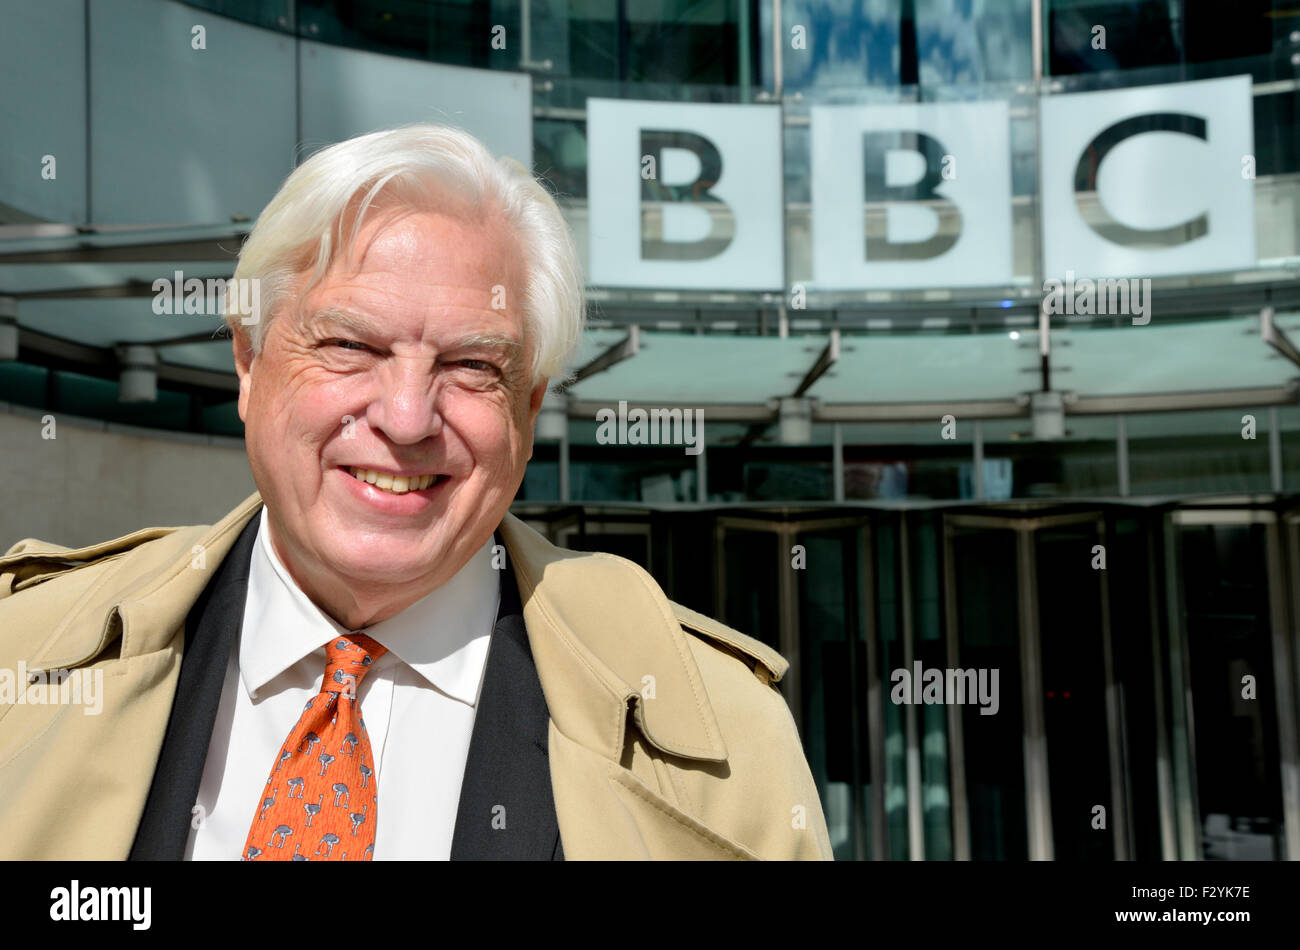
x=1089 y=168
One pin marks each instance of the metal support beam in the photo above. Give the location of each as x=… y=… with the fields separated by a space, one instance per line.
x=1121 y=455
x=1283 y=686
x=788 y=609
x=879 y=848
x=564 y=464
x=1182 y=736
x=1121 y=805
x=911 y=725
x=1283 y=395
x=961 y=850
x=624 y=349
x=1275 y=448
x=1038 y=807
x=828 y=357
x=1276 y=337
x=920 y=411
x=702 y=474
x=837 y=461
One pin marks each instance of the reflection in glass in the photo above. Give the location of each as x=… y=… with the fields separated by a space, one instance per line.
x=988 y=638
x=1238 y=785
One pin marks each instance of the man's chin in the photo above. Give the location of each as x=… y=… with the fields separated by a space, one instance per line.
x=381 y=568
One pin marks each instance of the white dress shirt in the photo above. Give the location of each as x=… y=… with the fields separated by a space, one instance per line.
x=418 y=701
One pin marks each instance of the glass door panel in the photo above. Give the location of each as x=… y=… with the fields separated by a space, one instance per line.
x=835 y=677
x=988 y=638
x=1072 y=632
x=751 y=561
x=889 y=593
x=1234 y=727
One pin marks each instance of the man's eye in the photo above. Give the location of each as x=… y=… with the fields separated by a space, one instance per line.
x=350 y=344
x=481 y=365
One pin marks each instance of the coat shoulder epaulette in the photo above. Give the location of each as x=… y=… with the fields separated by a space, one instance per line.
x=768 y=665
x=32 y=561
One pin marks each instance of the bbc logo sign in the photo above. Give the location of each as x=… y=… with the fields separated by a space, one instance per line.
x=1146 y=180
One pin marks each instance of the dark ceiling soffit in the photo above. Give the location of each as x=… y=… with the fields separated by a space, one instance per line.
x=209 y=249
x=70 y=356
x=130 y=288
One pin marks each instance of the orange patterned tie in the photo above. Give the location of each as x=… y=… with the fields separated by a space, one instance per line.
x=322 y=800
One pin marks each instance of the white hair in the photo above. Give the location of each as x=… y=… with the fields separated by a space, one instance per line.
x=419 y=167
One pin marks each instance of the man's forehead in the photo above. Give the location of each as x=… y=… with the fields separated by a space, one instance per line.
x=435 y=246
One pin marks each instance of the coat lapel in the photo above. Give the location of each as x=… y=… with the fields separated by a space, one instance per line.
x=211 y=631
x=610 y=650
x=506 y=806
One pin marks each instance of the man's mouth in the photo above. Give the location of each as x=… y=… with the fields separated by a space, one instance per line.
x=396 y=484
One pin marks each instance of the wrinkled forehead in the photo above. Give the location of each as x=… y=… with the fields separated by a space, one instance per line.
x=463 y=247
x=413 y=267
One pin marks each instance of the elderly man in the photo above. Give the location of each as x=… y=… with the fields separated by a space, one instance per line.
x=370 y=657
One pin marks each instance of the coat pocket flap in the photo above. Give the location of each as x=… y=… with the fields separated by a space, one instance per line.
x=606 y=813
x=668 y=831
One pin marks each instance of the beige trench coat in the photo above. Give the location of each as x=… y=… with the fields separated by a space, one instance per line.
x=711 y=767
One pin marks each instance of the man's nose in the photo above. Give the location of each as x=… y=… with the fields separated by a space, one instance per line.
x=408 y=410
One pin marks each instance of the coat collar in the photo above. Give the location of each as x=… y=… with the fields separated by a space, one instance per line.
x=603 y=635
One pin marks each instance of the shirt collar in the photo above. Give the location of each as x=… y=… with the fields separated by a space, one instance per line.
x=444 y=636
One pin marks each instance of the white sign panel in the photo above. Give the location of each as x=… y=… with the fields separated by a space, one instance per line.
x=685 y=195
x=1149 y=181
x=912 y=195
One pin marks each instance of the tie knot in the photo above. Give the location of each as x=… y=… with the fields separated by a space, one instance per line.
x=347 y=660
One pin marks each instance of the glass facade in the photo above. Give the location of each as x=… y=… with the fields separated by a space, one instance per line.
x=1122 y=635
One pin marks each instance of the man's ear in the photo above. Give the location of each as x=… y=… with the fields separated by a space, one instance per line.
x=242 y=346
x=535 y=399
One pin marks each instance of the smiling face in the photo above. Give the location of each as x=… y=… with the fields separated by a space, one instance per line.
x=409 y=359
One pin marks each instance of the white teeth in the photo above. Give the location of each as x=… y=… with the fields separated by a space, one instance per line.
x=397 y=484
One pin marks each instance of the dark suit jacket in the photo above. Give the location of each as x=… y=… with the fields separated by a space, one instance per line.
x=507 y=763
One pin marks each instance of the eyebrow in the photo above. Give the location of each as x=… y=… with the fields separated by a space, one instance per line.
x=345 y=319
x=493 y=340
x=363 y=327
